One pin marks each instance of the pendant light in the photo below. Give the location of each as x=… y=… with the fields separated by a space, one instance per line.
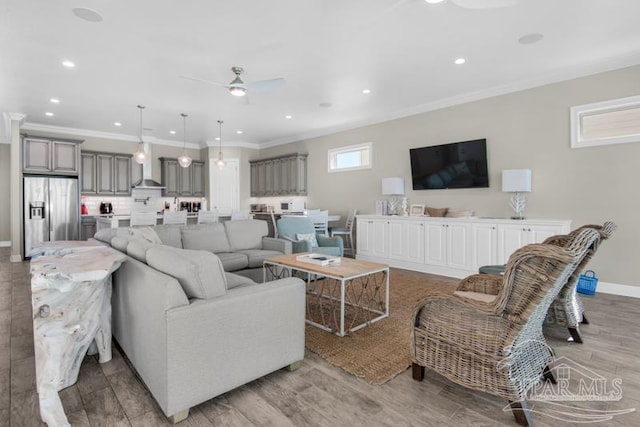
x=140 y=155
x=220 y=162
x=184 y=160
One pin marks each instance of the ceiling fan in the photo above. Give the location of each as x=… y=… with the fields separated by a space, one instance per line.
x=238 y=87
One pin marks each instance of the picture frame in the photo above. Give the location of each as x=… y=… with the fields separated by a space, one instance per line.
x=416 y=210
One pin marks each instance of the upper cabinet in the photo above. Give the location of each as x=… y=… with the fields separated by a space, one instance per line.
x=179 y=181
x=105 y=174
x=51 y=156
x=279 y=176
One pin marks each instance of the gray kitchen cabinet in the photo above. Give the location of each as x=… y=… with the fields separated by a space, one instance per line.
x=88 y=173
x=105 y=174
x=88 y=227
x=198 y=179
x=179 y=181
x=279 y=176
x=122 y=175
x=50 y=156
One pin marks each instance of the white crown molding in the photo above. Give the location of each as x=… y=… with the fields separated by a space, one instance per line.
x=564 y=74
x=105 y=135
x=240 y=144
x=5 y=125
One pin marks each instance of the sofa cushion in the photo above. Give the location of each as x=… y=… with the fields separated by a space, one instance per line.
x=310 y=237
x=235 y=281
x=477 y=296
x=200 y=273
x=106 y=234
x=209 y=237
x=147 y=233
x=232 y=261
x=120 y=242
x=169 y=235
x=256 y=256
x=246 y=234
x=137 y=248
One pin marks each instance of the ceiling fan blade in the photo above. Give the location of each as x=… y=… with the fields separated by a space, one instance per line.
x=484 y=4
x=265 y=85
x=195 y=79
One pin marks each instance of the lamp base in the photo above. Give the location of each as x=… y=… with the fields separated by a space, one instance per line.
x=517 y=217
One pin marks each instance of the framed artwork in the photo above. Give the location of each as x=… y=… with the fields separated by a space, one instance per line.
x=416 y=210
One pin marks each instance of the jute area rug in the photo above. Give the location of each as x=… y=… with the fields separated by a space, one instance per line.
x=380 y=351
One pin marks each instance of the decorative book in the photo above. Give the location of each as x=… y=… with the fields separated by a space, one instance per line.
x=319 y=259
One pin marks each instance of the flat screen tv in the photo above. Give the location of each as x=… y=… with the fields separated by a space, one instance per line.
x=455 y=165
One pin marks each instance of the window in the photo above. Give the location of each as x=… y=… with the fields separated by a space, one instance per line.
x=350 y=158
x=609 y=122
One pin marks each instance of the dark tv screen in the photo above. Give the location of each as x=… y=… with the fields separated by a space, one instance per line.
x=455 y=165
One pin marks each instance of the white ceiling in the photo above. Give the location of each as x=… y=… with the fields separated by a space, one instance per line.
x=327 y=50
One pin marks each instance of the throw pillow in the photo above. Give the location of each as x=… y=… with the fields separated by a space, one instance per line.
x=310 y=237
x=146 y=233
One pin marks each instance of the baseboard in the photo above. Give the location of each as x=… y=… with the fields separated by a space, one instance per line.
x=5 y=244
x=618 y=289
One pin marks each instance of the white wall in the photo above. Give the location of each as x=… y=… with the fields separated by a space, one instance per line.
x=528 y=129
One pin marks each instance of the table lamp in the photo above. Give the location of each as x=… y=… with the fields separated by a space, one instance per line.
x=394 y=186
x=517 y=181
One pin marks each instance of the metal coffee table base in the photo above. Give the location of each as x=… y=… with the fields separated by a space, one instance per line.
x=340 y=304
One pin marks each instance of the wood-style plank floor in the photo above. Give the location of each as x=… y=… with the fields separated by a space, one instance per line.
x=317 y=394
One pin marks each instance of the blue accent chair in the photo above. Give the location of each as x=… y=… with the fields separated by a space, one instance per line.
x=290 y=227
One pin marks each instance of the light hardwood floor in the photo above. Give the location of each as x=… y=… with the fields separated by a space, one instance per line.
x=317 y=394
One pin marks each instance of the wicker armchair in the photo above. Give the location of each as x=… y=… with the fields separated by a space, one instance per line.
x=494 y=343
x=567 y=309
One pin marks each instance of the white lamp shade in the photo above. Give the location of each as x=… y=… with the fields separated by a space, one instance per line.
x=393 y=186
x=516 y=181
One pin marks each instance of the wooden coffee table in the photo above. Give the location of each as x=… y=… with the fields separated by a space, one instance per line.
x=342 y=297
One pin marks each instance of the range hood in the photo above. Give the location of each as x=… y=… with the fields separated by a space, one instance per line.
x=147 y=183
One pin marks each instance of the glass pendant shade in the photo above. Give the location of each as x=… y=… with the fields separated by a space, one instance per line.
x=140 y=155
x=184 y=160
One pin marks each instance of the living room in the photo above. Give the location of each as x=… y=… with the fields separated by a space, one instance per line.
x=526 y=125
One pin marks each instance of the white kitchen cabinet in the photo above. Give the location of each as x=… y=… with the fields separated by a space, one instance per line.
x=514 y=236
x=484 y=238
x=449 y=246
x=364 y=236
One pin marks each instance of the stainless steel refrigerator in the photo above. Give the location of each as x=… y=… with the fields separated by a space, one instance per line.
x=51 y=210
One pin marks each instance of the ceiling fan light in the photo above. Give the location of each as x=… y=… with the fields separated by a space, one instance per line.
x=237 y=90
x=184 y=160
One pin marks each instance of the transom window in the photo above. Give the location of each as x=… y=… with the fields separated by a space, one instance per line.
x=609 y=122
x=350 y=158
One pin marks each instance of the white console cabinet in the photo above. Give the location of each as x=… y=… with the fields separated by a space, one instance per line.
x=449 y=246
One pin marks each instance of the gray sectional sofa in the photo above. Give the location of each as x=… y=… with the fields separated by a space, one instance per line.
x=193 y=329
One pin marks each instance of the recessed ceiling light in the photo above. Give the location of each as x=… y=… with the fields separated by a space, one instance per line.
x=459 y=61
x=87 y=14
x=217 y=138
x=54 y=101
x=530 y=38
x=325 y=104
x=434 y=1
x=118 y=124
x=68 y=64
x=366 y=91
x=288 y=117
x=48 y=113
x=172 y=132
x=239 y=132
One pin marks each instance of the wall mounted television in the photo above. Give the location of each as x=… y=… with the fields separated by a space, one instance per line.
x=455 y=165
